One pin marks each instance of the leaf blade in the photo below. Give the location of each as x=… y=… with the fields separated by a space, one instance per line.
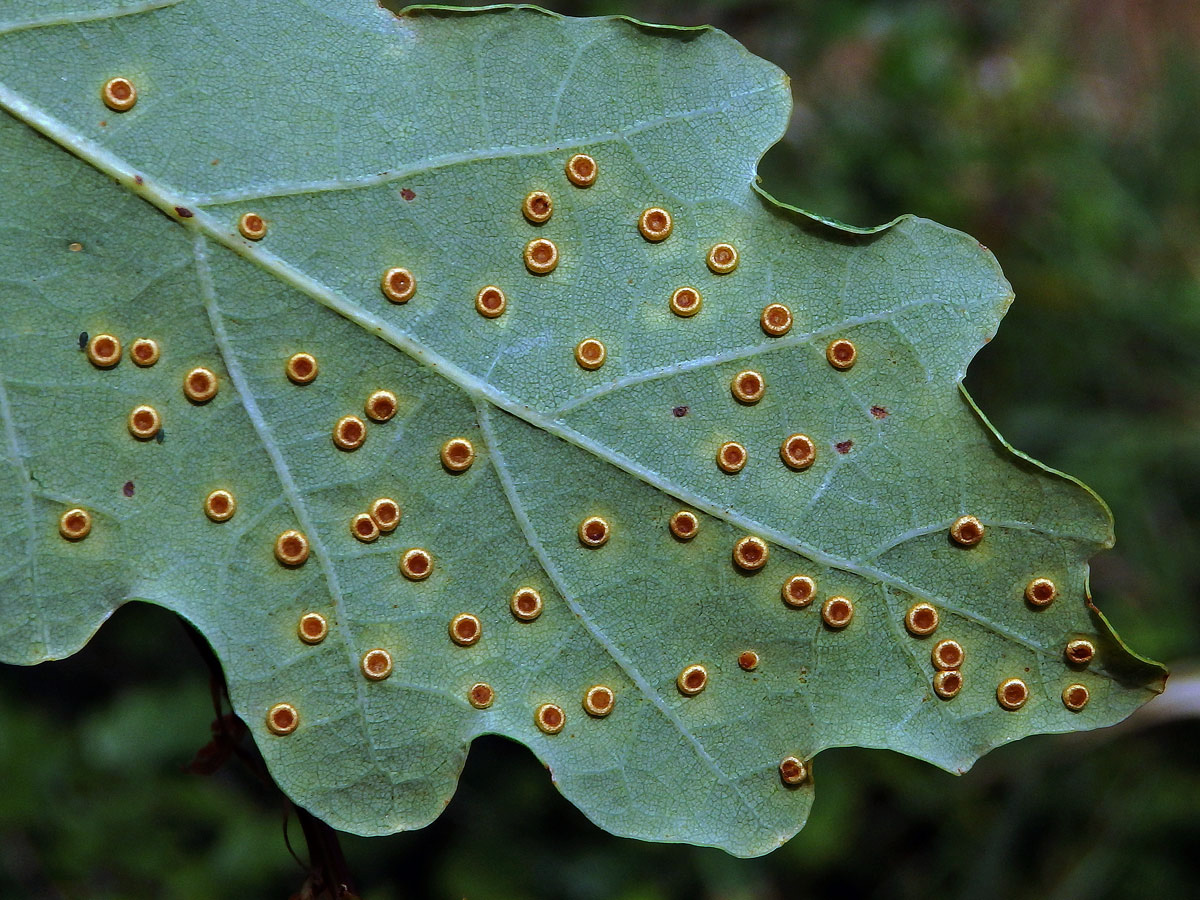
x=330 y=237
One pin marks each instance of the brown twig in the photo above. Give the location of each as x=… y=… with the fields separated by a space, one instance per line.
x=328 y=875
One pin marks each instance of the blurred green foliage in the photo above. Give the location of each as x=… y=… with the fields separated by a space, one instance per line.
x=1064 y=135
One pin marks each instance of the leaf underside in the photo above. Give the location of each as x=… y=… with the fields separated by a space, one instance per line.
x=365 y=141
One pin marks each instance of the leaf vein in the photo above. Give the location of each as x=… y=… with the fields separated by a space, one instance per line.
x=282 y=471
x=91 y=15
x=560 y=585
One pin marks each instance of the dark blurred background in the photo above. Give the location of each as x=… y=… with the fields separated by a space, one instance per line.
x=1064 y=135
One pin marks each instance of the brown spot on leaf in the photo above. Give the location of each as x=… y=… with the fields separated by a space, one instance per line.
x=550 y=718
x=692 y=680
x=594 y=531
x=481 y=695
x=792 y=771
x=526 y=604
x=599 y=700
x=376 y=664
x=684 y=525
x=464 y=629
x=843 y=447
x=880 y=412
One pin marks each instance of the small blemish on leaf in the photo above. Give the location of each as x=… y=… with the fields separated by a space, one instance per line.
x=843 y=447
x=921 y=619
x=301 y=368
x=948 y=655
x=582 y=170
x=966 y=531
x=678 y=412
x=655 y=224
x=841 y=353
x=731 y=457
x=750 y=553
x=183 y=212
x=376 y=664
x=599 y=700
x=685 y=302
x=291 y=548
x=590 y=354
x=837 y=612
x=594 y=531
x=200 y=385
x=416 y=564
x=490 y=302
x=798 y=451
x=722 y=259
x=386 y=513
x=1040 y=593
x=127 y=489
x=1080 y=652
x=144 y=352
x=282 y=719
x=748 y=386
x=75 y=524
x=692 y=680
x=408 y=193
x=481 y=695
x=550 y=718
x=363 y=527
x=104 y=351
x=538 y=207
x=1012 y=693
x=684 y=525
x=1075 y=697
x=880 y=412
x=252 y=226
x=83 y=339
x=792 y=771
x=75 y=246
x=526 y=604
x=541 y=256
x=381 y=406
x=947 y=683
x=312 y=628
x=220 y=506
x=349 y=433
x=798 y=591
x=398 y=285
x=137 y=179
x=144 y=422
x=118 y=94
x=776 y=319
x=465 y=629
x=457 y=454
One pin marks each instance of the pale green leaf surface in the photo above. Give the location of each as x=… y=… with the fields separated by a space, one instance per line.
x=318 y=120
